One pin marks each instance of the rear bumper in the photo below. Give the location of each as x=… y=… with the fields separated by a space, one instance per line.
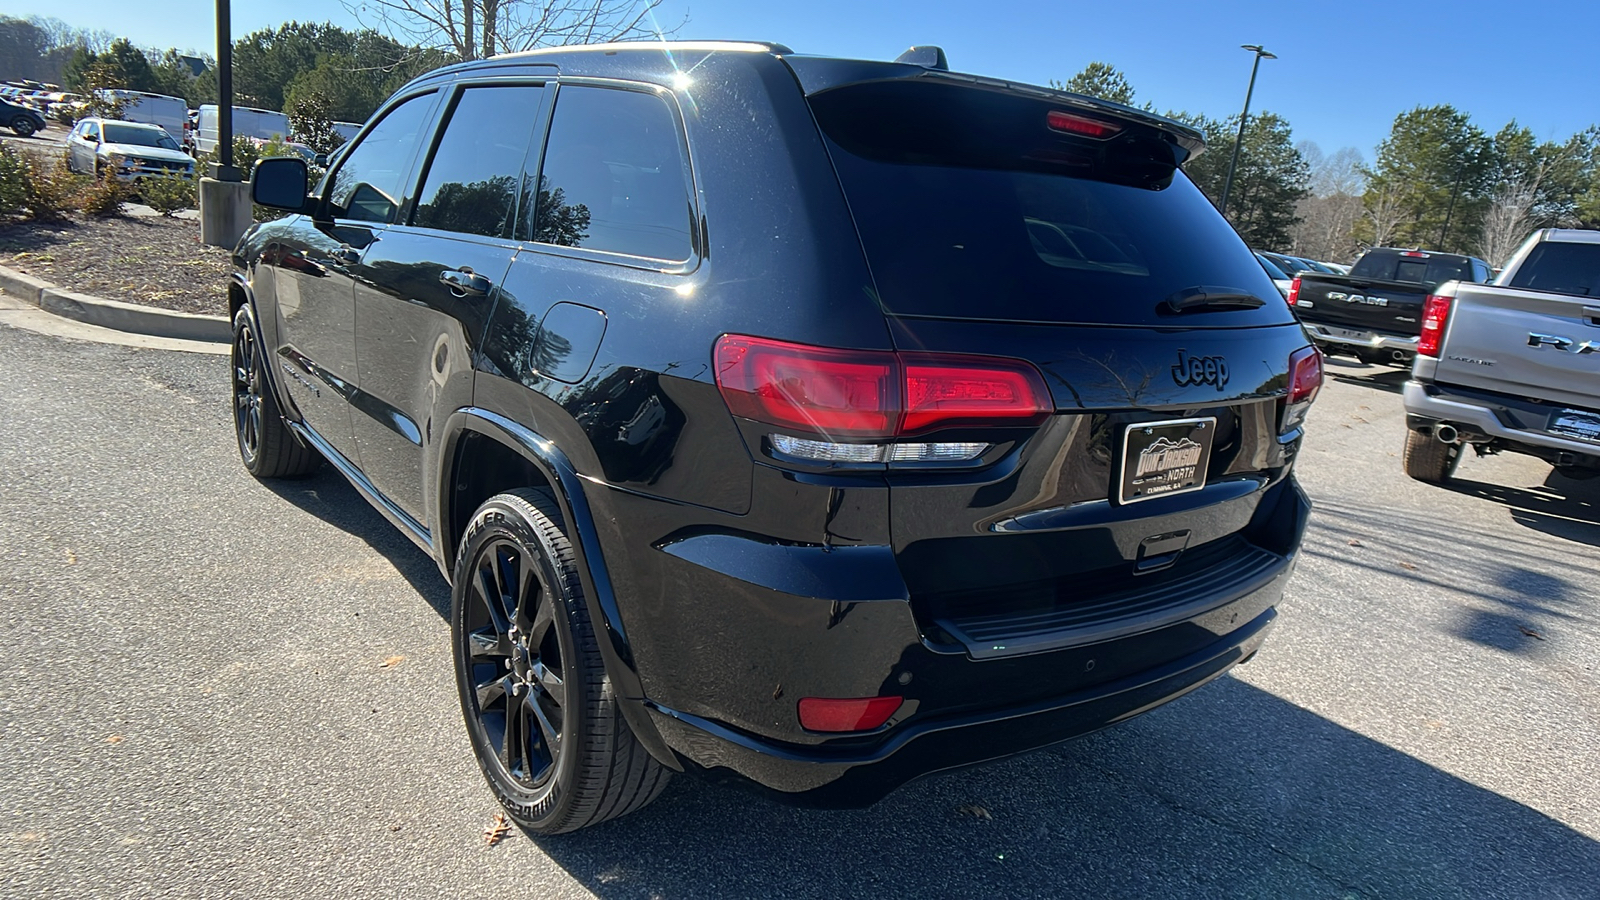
x=1514 y=421
x=857 y=777
x=1361 y=339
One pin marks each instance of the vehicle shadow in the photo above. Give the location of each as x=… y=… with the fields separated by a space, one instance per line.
x=329 y=497
x=1563 y=507
x=1228 y=792
x=1349 y=371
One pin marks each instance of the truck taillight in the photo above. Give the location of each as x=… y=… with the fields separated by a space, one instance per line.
x=867 y=395
x=1294 y=291
x=1435 y=315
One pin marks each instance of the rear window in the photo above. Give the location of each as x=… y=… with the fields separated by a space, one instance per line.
x=1561 y=268
x=969 y=206
x=1431 y=270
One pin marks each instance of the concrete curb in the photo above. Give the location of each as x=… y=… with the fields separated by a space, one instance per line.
x=114 y=314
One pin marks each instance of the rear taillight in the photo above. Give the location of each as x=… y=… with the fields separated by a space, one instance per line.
x=1294 y=291
x=854 y=714
x=1435 y=315
x=874 y=394
x=1305 y=375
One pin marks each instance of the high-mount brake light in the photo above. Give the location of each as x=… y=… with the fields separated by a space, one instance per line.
x=1414 y=253
x=875 y=393
x=1435 y=316
x=855 y=714
x=1294 y=292
x=1080 y=125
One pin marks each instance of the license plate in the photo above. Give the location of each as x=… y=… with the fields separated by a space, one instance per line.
x=1348 y=334
x=1162 y=458
x=1576 y=423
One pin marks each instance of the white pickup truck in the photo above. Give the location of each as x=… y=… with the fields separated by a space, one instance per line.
x=1514 y=365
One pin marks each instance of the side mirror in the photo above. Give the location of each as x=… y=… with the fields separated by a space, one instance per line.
x=321 y=159
x=279 y=182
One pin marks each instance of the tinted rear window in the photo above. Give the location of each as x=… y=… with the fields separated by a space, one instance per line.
x=1432 y=270
x=968 y=206
x=1562 y=268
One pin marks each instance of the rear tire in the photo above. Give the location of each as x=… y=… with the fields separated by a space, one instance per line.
x=23 y=126
x=544 y=720
x=1429 y=459
x=266 y=445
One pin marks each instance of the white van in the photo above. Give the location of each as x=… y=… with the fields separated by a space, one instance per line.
x=346 y=130
x=154 y=109
x=262 y=124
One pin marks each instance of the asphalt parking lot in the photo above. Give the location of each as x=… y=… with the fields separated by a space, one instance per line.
x=215 y=687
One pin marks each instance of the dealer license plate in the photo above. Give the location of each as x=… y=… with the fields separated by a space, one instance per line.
x=1162 y=458
x=1576 y=423
x=1349 y=335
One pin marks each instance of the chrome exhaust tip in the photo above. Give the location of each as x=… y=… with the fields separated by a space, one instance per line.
x=1446 y=433
x=1397 y=355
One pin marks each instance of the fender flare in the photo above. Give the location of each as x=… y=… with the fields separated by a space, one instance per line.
x=286 y=406
x=599 y=596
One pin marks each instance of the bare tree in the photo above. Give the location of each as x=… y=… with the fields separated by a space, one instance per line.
x=478 y=29
x=1507 y=221
x=1329 y=214
x=1385 y=212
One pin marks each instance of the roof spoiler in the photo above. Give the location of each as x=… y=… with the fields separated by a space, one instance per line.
x=925 y=55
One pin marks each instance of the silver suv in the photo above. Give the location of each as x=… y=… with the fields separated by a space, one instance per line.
x=130 y=151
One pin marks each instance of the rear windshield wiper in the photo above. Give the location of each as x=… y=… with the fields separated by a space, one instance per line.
x=1209 y=297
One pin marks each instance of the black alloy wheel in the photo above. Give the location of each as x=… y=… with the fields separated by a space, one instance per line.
x=266 y=445
x=23 y=126
x=541 y=715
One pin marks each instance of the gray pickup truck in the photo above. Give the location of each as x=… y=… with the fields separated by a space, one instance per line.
x=1375 y=312
x=1514 y=365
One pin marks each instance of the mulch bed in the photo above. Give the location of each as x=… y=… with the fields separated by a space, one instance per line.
x=150 y=261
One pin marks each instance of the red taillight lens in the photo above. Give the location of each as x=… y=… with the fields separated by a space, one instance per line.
x=1294 y=291
x=1435 y=315
x=1305 y=375
x=1080 y=125
x=873 y=393
x=858 y=714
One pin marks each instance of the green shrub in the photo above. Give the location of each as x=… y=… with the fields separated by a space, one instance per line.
x=168 y=195
x=13 y=183
x=104 y=197
x=53 y=190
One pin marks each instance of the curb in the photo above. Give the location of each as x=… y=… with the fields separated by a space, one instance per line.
x=114 y=314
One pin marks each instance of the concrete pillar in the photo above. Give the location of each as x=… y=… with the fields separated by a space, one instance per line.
x=224 y=211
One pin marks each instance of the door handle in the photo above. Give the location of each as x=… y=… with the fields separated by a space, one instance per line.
x=464 y=281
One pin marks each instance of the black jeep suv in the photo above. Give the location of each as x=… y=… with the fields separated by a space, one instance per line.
x=823 y=422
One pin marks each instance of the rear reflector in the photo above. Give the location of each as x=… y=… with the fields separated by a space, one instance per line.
x=1080 y=125
x=860 y=714
x=1435 y=315
x=874 y=393
x=1305 y=375
x=1294 y=291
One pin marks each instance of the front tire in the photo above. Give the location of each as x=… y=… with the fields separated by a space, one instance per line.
x=266 y=445
x=23 y=126
x=544 y=720
x=1429 y=459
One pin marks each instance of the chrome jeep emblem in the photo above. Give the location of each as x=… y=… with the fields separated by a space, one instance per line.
x=1200 y=370
x=1540 y=341
x=1358 y=298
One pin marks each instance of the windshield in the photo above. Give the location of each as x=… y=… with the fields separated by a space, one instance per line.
x=139 y=137
x=969 y=206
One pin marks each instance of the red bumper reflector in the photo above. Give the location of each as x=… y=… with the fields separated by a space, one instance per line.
x=856 y=714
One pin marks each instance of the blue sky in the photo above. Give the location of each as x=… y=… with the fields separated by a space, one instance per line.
x=1345 y=69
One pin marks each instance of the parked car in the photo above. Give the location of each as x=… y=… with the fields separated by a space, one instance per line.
x=1280 y=279
x=1513 y=366
x=23 y=120
x=1375 y=312
x=130 y=151
x=944 y=450
x=260 y=124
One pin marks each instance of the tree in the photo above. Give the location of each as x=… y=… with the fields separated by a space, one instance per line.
x=1270 y=179
x=311 y=123
x=478 y=29
x=1434 y=169
x=1329 y=212
x=1101 y=80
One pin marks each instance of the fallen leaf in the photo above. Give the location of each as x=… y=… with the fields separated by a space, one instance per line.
x=1406 y=565
x=1530 y=633
x=115 y=739
x=72 y=558
x=977 y=812
x=1354 y=542
x=498 y=829
x=391 y=662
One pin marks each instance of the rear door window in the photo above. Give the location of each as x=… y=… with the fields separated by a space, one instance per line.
x=371 y=180
x=614 y=176
x=969 y=207
x=474 y=182
x=1563 y=268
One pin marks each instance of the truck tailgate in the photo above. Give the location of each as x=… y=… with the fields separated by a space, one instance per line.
x=1366 y=304
x=1533 y=344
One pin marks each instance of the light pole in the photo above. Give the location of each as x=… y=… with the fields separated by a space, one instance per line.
x=1227 y=186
